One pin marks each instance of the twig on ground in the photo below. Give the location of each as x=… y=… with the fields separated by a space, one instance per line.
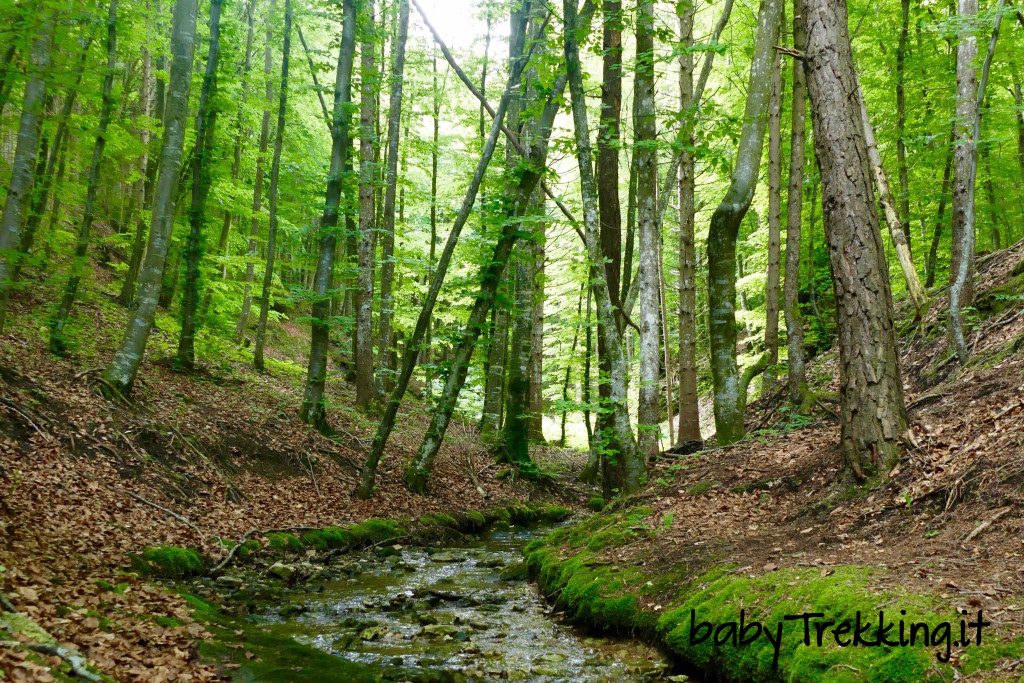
x=45 y=436
x=986 y=524
x=172 y=513
x=78 y=663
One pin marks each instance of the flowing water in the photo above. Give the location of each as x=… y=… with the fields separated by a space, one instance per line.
x=449 y=610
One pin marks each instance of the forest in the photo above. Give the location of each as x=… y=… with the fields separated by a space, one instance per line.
x=481 y=340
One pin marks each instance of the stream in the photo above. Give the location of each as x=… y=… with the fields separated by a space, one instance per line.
x=464 y=611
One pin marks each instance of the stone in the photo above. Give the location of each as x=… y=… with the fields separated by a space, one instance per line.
x=446 y=557
x=440 y=630
x=282 y=571
x=552 y=658
x=426 y=619
x=372 y=633
x=229 y=581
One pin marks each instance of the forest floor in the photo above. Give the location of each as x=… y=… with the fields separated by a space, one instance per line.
x=83 y=481
x=948 y=523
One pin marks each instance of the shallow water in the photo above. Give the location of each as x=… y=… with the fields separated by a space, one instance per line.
x=448 y=609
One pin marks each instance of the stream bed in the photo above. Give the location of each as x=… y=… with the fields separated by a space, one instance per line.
x=464 y=612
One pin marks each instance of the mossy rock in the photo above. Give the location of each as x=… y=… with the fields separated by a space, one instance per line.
x=596 y=504
x=169 y=562
x=285 y=541
x=701 y=488
x=327 y=538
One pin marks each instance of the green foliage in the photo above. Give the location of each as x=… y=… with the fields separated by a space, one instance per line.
x=596 y=504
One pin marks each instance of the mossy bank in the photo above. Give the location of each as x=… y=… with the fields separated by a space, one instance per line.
x=588 y=570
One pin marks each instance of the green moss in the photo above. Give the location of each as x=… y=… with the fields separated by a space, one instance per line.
x=327 y=538
x=701 y=488
x=476 y=519
x=438 y=519
x=285 y=541
x=596 y=504
x=168 y=561
x=375 y=531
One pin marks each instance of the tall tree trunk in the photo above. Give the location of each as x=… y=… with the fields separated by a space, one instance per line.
x=689 y=411
x=257 y=189
x=990 y=192
x=124 y=366
x=537 y=343
x=568 y=365
x=873 y=416
x=892 y=219
x=771 y=286
x=275 y=172
x=78 y=264
x=730 y=387
x=155 y=101
x=386 y=365
x=590 y=471
x=367 y=216
x=313 y=410
x=901 y=122
x=961 y=289
x=631 y=458
x=44 y=176
x=535 y=145
x=794 y=216
x=494 y=388
x=19 y=189
x=416 y=473
x=933 y=251
x=646 y=133
x=202 y=159
x=1018 y=99
x=608 y=142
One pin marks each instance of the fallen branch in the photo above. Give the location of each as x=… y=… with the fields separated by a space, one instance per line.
x=986 y=524
x=45 y=436
x=245 y=537
x=78 y=663
x=172 y=513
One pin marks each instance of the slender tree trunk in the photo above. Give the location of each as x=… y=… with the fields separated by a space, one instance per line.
x=417 y=473
x=646 y=132
x=1018 y=99
x=961 y=288
x=313 y=409
x=537 y=330
x=535 y=143
x=730 y=387
x=794 y=216
x=666 y=353
x=19 y=189
x=57 y=342
x=901 y=123
x=631 y=458
x=124 y=366
x=990 y=192
x=933 y=251
x=590 y=471
x=689 y=411
x=771 y=287
x=568 y=365
x=275 y=172
x=202 y=159
x=367 y=215
x=257 y=190
x=386 y=365
x=892 y=219
x=873 y=417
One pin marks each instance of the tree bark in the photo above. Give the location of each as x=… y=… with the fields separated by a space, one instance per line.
x=58 y=343
x=689 y=411
x=933 y=251
x=537 y=330
x=202 y=158
x=896 y=228
x=873 y=416
x=386 y=364
x=901 y=123
x=645 y=149
x=590 y=471
x=124 y=366
x=771 y=286
x=730 y=386
x=313 y=410
x=367 y=215
x=794 y=216
x=961 y=289
x=20 y=185
x=275 y=172
x=257 y=189
x=631 y=458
